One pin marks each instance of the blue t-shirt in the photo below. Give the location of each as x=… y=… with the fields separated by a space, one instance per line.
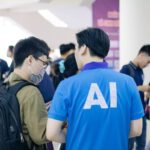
x=99 y=105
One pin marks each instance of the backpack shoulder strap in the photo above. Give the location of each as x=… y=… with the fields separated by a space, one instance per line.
x=18 y=86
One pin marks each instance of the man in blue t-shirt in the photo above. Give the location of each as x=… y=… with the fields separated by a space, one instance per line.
x=135 y=70
x=102 y=107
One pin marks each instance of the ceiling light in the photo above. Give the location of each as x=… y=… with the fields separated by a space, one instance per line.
x=52 y=18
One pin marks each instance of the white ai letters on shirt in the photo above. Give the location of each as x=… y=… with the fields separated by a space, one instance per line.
x=100 y=100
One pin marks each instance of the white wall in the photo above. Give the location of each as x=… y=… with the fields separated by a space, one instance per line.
x=10 y=33
x=134 y=30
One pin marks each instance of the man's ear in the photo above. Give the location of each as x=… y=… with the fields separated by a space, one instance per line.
x=83 y=49
x=29 y=60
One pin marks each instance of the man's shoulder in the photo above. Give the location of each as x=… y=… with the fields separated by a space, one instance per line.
x=109 y=73
x=29 y=93
x=29 y=90
x=126 y=69
x=126 y=66
x=30 y=87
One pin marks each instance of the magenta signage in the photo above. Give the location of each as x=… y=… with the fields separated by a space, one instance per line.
x=106 y=17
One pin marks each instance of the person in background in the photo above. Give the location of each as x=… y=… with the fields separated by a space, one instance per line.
x=3 y=69
x=102 y=107
x=56 y=74
x=135 y=70
x=10 y=53
x=66 y=49
x=57 y=65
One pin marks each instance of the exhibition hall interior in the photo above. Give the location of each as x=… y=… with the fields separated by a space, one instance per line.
x=59 y=24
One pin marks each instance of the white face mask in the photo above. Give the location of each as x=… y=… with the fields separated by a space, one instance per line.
x=37 y=78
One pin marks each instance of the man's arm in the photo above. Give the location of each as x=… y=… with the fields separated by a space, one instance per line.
x=54 y=131
x=135 y=128
x=144 y=88
x=58 y=114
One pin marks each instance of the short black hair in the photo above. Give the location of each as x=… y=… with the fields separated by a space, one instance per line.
x=64 y=48
x=29 y=46
x=145 y=49
x=96 y=40
x=11 y=48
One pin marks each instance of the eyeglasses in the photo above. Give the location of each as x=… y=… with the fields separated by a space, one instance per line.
x=45 y=63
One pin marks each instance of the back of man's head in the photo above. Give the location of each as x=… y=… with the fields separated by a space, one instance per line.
x=96 y=40
x=29 y=46
x=145 y=49
x=65 y=48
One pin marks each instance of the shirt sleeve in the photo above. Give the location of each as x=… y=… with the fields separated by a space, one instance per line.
x=137 y=111
x=59 y=108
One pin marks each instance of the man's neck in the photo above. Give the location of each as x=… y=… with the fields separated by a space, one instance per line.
x=21 y=73
x=135 y=62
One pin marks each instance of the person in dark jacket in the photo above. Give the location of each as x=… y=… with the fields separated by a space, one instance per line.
x=10 y=53
x=3 y=68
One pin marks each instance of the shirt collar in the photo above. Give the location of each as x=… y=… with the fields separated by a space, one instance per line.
x=94 y=65
x=134 y=66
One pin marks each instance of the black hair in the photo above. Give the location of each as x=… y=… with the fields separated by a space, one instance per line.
x=96 y=40
x=145 y=49
x=64 y=48
x=11 y=48
x=29 y=46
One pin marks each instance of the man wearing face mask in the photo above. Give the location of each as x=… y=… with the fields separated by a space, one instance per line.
x=30 y=58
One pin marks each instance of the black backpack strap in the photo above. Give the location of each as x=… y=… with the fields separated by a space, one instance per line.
x=18 y=86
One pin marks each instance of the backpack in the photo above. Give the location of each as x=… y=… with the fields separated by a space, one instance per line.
x=11 y=136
